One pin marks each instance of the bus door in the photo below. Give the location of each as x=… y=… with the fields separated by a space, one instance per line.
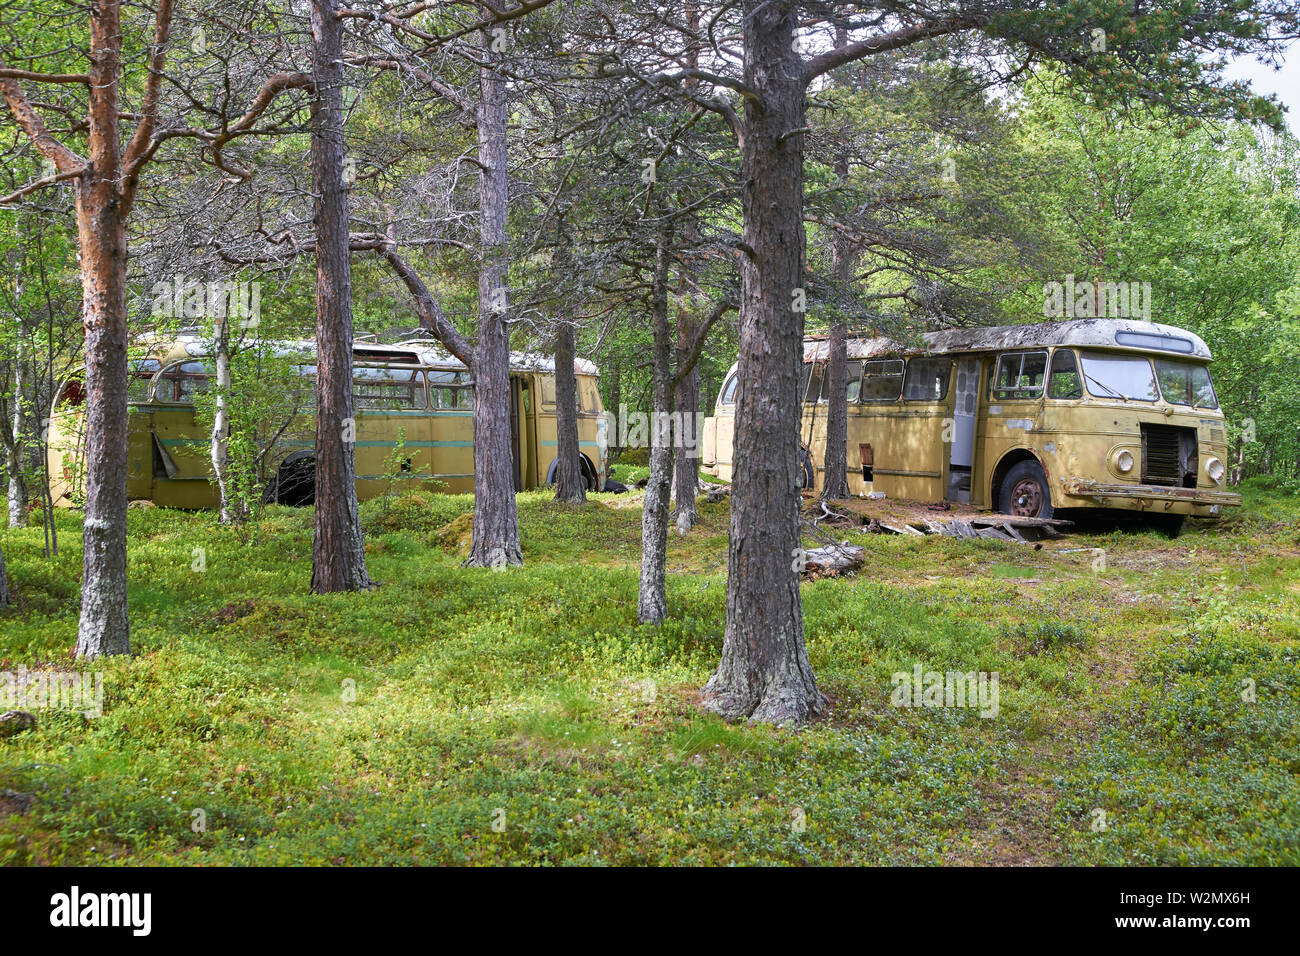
x=180 y=456
x=451 y=417
x=389 y=404
x=964 y=410
x=518 y=426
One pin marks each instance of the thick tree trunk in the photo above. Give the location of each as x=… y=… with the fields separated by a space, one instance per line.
x=764 y=673
x=570 y=486
x=338 y=555
x=652 y=600
x=835 y=478
x=220 y=443
x=101 y=240
x=686 y=401
x=495 y=539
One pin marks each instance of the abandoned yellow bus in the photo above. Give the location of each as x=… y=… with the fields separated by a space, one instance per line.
x=1025 y=419
x=410 y=393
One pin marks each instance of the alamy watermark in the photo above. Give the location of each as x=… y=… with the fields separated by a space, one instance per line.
x=183 y=298
x=922 y=688
x=655 y=429
x=52 y=690
x=1096 y=300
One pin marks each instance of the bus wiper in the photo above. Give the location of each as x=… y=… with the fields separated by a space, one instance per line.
x=1113 y=391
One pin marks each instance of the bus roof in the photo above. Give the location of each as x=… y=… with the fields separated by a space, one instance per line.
x=1124 y=334
x=419 y=352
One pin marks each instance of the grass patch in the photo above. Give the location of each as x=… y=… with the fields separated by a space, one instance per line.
x=1158 y=691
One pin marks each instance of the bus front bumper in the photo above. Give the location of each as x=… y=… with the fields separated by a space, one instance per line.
x=1199 y=501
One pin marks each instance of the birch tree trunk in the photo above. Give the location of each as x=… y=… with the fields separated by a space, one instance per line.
x=220 y=450
x=338 y=554
x=495 y=538
x=14 y=457
x=686 y=403
x=570 y=486
x=652 y=599
x=764 y=673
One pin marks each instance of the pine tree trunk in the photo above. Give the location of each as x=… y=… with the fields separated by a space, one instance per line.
x=338 y=555
x=764 y=673
x=686 y=401
x=101 y=240
x=835 y=478
x=835 y=475
x=652 y=599
x=570 y=486
x=495 y=538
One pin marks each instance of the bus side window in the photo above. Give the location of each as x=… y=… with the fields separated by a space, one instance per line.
x=927 y=379
x=729 y=390
x=853 y=381
x=387 y=388
x=73 y=394
x=1020 y=375
x=141 y=375
x=815 y=386
x=882 y=380
x=181 y=382
x=1065 y=381
x=448 y=390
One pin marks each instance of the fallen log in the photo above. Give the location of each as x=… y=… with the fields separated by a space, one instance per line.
x=834 y=559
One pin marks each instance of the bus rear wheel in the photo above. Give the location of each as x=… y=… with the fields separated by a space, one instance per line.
x=1025 y=493
x=295 y=482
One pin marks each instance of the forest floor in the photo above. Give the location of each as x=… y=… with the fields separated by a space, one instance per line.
x=1148 y=700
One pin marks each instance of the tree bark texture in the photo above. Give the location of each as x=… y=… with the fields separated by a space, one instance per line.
x=495 y=538
x=338 y=554
x=764 y=673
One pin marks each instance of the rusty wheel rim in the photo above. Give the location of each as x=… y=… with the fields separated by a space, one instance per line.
x=1026 y=498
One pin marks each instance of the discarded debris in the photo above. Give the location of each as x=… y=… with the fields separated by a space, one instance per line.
x=990 y=527
x=833 y=559
x=15 y=722
x=717 y=493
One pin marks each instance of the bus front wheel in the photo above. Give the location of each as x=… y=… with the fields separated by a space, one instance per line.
x=1025 y=493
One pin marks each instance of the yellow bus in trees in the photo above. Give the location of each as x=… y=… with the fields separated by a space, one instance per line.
x=410 y=393
x=1025 y=419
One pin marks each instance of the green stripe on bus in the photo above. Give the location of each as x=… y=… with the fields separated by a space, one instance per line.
x=172 y=442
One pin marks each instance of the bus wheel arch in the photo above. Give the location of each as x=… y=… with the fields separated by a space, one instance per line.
x=294 y=483
x=1020 y=485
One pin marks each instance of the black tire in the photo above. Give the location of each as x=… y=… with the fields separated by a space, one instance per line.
x=588 y=472
x=295 y=482
x=1025 y=492
x=615 y=486
x=1168 y=525
x=807 y=476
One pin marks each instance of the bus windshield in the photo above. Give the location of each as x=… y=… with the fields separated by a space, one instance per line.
x=1119 y=376
x=1185 y=383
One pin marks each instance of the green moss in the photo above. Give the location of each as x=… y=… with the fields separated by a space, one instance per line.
x=398 y=725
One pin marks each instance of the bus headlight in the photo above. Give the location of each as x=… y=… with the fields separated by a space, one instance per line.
x=1214 y=468
x=1123 y=461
